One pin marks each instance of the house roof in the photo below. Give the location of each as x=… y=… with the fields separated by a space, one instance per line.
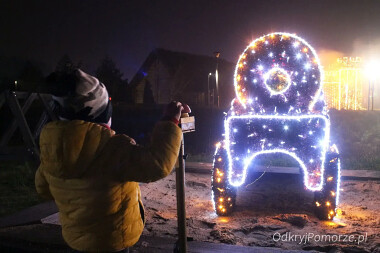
x=192 y=67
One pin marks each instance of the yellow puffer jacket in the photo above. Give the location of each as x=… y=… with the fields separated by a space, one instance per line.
x=92 y=175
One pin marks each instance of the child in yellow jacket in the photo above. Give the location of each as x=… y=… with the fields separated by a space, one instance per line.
x=93 y=173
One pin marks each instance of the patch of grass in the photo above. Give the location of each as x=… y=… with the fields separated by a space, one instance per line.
x=357 y=135
x=279 y=160
x=17 y=189
x=202 y=158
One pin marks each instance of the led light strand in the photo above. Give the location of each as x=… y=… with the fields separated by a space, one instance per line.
x=249 y=50
x=325 y=143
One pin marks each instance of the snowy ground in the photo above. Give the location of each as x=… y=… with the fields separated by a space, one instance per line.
x=276 y=205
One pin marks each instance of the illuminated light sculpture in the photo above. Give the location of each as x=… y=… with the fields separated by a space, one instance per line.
x=279 y=108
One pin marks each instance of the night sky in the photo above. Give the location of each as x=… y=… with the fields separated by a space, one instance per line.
x=128 y=31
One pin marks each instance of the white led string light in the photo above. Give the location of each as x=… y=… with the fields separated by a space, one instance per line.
x=325 y=143
x=299 y=39
x=267 y=66
x=218 y=145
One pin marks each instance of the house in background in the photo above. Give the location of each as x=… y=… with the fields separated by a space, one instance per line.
x=166 y=75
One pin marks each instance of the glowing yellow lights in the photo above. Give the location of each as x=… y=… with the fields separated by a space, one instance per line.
x=221 y=206
x=244 y=56
x=272 y=36
x=218 y=179
x=229 y=199
x=339 y=212
x=285 y=36
x=315 y=61
x=238 y=87
x=332 y=212
x=343 y=84
x=221 y=199
x=328 y=203
x=218 y=145
x=220 y=189
x=333 y=193
x=329 y=179
x=241 y=65
x=219 y=159
x=317 y=204
x=305 y=50
x=238 y=78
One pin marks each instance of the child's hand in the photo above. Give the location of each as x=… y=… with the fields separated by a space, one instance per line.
x=174 y=110
x=186 y=108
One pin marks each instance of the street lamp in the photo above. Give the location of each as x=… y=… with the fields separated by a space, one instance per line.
x=372 y=72
x=217 y=55
x=208 y=88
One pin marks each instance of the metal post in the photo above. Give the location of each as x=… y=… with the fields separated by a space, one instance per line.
x=181 y=211
x=373 y=88
x=208 y=89
x=369 y=92
x=217 y=82
x=217 y=55
x=187 y=125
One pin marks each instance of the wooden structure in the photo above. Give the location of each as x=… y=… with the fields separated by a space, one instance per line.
x=29 y=148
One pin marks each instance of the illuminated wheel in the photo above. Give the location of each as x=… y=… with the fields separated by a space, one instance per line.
x=224 y=195
x=327 y=199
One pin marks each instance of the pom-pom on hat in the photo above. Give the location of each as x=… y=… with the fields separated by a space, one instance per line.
x=80 y=96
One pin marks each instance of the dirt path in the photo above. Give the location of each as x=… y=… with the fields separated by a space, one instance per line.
x=270 y=212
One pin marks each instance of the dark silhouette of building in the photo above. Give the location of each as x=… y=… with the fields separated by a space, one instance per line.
x=166 y=75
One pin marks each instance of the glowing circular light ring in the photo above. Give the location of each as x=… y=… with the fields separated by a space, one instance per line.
x=250 y=48
x=268 y=75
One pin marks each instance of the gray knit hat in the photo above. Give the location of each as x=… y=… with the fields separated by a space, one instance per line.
x=81 y=96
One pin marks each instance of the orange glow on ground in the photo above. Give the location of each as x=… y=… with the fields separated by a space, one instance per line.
x=223 y=219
